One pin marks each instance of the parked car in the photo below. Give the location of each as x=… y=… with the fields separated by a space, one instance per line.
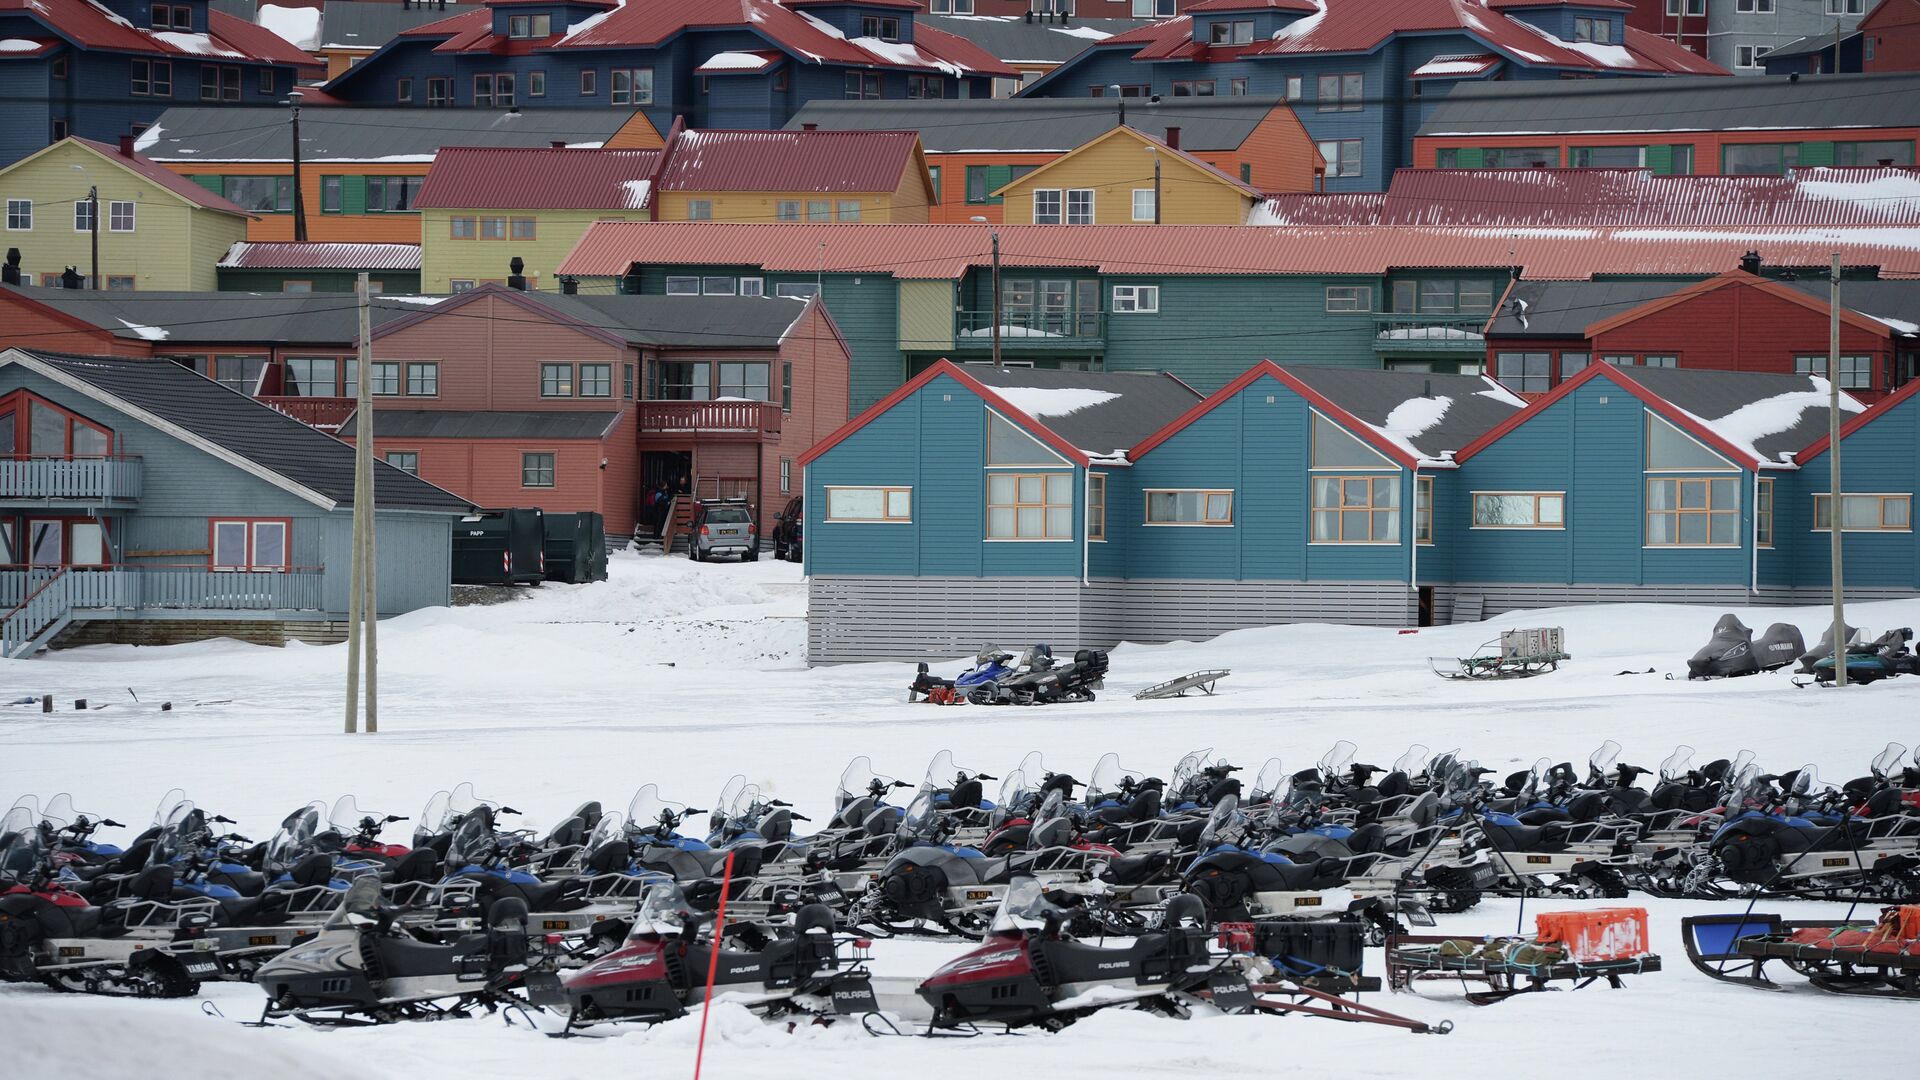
x=786 y=531
x=723 y=528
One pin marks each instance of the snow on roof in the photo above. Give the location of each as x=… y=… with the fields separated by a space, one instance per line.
x=637 y=193
x=299 y=25
x=1455 y=65
x=1746 y=426
x=1412 y=418
x=737 y=61
x=1087 y=32
x=1893 y=193
x=151 y=333
x=1041 y=402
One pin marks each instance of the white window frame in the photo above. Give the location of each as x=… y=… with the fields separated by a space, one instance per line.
x=1204 y=522
x=82 y=211
x=113 y=215
x=753 y=286
x=1537 y=524
x=1821 y=498
x=250 y=529
x=1013 y=476
x=1362 y=292
x=887 y=514
x=1147 y=192
x=1083 y=195
x=15 y=206
x=1136 y=299
x=1054 y=216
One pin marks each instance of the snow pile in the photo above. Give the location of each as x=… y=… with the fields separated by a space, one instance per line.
x=586 y=25
x=1458 y=64
x=1430 y=333
x=298 y=25
x=734 y=61
x=151 y=333
x=1086 y=32
x=19 y=45
x=1893 y=196
x=1044 y=401
x=637 y=193
x=1747 y=425
x=1010 y=332
x=1301 y=27
x=197 y=44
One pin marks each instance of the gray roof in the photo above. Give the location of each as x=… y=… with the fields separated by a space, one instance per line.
x=713 y=322
x=357 y=24
x=1567 y=308
x=1703 y=103
x=1809 y=45
x=249 y=430
x=1714 y=396
x=459 y=424
x=1013 y=38
x=957 y=125
x=1890 y=298
x=1477 y=406
x=199 y=318
x=338 y=133
x=1144 y=402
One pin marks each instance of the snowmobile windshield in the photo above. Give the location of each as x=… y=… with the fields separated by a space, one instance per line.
x=1034 y=766
x=1602 y=761
x=1746 y=789
x=1463 y=779
x=1411 y=762
x=943 y=774
x=1026 y=907
x=1887 y=761
x=920 y=820
x=167 y=803
x=1188 y=769
x=1334 y=764
x=172 y=841
x=1269 y=782
x=648 y=811
x=859 y=781
x=1539 y=782
x=294 y=838
x=430 y=822
x=362 y=899
x=1111 y=780
x=663 y=912
x=20 y=847
x=18 y=820
x=989 y=654
x=1222 y=824
x=1806 y=783
x=610 y=829
x=462 y=800
x=1741 y=762
x=473 y=841
x=1678 y=764
x=1015 y=792
x=723 y=805
x=60 y=813
x=1442 y=766
x=1051 y=825
x=347 y=815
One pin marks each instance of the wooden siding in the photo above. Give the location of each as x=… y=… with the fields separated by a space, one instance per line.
x=952 y=207
x=1278 y=156
x=1708 y=146
x=444 y=259
x=174 y=244
x=1114 y=167
x=490 y=350
x=352 y=225
x=761 y=207
x=30 y=326
x=1211 y=329
x=926 y=315
x=1877 y=458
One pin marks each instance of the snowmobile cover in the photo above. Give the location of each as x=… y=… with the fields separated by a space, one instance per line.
x=1728 y=653
x=1824 y=650
x=1779 y=646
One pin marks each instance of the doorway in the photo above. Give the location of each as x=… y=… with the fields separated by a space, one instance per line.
x=1426 y=605
x=663 y=474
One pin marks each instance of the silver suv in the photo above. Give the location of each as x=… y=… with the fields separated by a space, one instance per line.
x=723 y=528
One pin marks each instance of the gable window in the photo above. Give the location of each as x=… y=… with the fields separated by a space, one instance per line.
x=1340 y=93
x=1030 y=506
x=1143 y=204
x=1136 y=299
x=1524 y=372
x=1349 y=298
x=1190 y=506
x=1519 y=509
x=1080 y=206
x=1598 y=31
x=886 y=28
x=439 y=91
x=1336 y=448
x=1865 y=513
x=240 y=544
x=423 y=379
x=596 y=380
x=1688 y=511
x=1343 y=156
x=872 y=505
x=863 y=84
x=1046 y=206
x=1763 y=512
x=1856 y=372
x=556 y=380
x=152 y=78
x=407 y=461
x=19 y=215
x=1236 y=32
x=536 y=470
x=1193 y=88
x=1096 y=506
x=1007 y=444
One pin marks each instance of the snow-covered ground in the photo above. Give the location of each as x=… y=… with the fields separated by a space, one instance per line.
x=683 y=674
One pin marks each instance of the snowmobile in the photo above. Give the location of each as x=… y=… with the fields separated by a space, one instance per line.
x=363 y=969
x=1030 y=972
x=1038 y=679
x=661 y=969
x=989 y=666
x=1869 y=662
x=1733 y=651
x=1237 y=882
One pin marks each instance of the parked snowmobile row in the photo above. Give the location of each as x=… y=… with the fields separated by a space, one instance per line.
x=1732 y=651
x=1034 y=677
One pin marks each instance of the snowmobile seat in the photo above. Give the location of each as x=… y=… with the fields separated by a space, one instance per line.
x=420 y=864
x=965 y=795
x=1423 y=811
x=883 y=822
x=1394 y=784
x=1143 y=807
x=610 y=857
x=810 y=949
x=244 y=882
x=507 y=932
x=153 y=883
x=1543 y=815
x=1055 y=832
x=1586 y=806
x=1550 y=837
x=1135 y=869
x=1367 y=839
x=314 y=869
x=568 y=834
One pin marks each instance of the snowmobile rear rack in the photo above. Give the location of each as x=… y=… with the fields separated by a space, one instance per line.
x=1515 y=654
x=1202 y=681
x=1858 y=959
x=1415 y=957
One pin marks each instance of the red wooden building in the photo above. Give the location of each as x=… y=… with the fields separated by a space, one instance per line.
x=1892 y=33
x=1547 y=332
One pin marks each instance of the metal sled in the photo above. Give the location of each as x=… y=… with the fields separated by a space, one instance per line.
x=1199 y=680
x=1516 y=654
x=1412 y=958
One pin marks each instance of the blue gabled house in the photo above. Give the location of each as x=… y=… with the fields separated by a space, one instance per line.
x=1363 y=74
x=100 y=70
x=142 y=502
x=1880 y=559
x=717 y=63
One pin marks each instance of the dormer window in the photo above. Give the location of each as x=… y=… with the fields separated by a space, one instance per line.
x=530 y=26
x=1238 y=32
x=172 y=17
x=884 y=28
x=1598 y=31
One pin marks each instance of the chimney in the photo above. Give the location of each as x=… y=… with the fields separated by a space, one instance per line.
x=1750 y=262
x=1029 y=16
x=809 y=127
x=126 y=146
x=516 y=279
x=10 y=273
x=557 y=144
x=1173 y=138
x=570 y=285
x=1426 y=389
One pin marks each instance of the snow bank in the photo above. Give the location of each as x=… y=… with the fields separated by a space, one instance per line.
x=734 y=61
x=92 y=1039
x=298 y=25
x=1041 y=402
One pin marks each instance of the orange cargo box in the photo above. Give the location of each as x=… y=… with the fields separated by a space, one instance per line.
x=1600 y=934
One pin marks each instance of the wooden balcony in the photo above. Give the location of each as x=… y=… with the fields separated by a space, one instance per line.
x=1025 y=332
x=56 y=481
x=325 y=413
x=37 y=601
x=744 y=420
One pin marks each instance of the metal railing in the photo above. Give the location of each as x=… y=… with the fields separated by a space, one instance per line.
x=1432 y=330
x=25 y=476
x=37 y=597
x=1031 y=329
x=326 y=413
x=754 y=418
x=42 y=602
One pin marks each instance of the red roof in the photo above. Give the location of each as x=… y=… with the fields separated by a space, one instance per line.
x=647 y=24
x=254 y=255
x=1457 y=66
x=1505 y=5
x=1623 y=378
x=165 y=177
x=512 y=178
x=823 y=161
x=1254 y=5
x=1874 y=412
x=946 y=252
x=95 y=27
x=1362 y=25
x=1554 y=197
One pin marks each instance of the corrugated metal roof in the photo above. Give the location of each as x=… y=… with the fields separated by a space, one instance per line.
x=1018 y=40
x=202 y=318
x=947 y=251
x=165 y=177
x=356 y=24
x=824 y=161
x=1550 y=197
x=95 y=26
x=1254 y=5
x=463 y=424
x=281 y=255
x=240 y=133
x=1045 y=124
x=496 y=178
x=1610 y=106
x=1456 y=66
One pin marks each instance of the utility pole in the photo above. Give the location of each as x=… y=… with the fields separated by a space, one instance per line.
x=996 y=299
x=1833 y=466
x=93 y=226
x=363 y=609
x=1156 y=184
x=299 y=200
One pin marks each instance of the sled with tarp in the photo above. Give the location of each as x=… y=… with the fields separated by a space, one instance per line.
x=1515 y=654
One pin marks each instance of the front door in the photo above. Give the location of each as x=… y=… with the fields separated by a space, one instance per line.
x=1056 y=301
x=46 y=541
x=1089 y=305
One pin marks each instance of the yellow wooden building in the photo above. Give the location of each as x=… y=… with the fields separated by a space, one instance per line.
x=1111 y=181
x=757 y=176
x=157 y=229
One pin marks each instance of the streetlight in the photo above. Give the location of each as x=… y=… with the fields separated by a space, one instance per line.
x=996 y=291
x=299 y=202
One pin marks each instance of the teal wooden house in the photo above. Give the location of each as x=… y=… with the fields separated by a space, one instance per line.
x=142 y=502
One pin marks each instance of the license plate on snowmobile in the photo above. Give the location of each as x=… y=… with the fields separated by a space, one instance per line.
x=1231 y=993
x=853 y=996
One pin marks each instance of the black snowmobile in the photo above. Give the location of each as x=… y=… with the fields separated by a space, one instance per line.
x=363 y=969
x=1733 y=651
x=1038 y=679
